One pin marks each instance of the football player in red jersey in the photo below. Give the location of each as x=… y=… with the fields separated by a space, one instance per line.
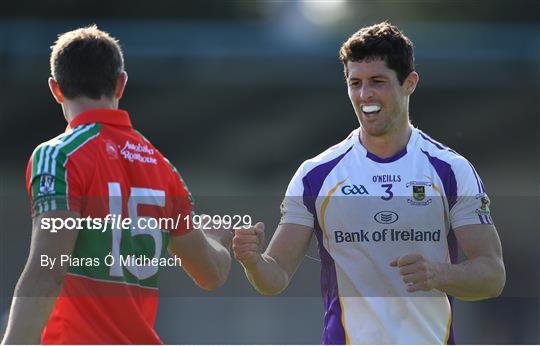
x=86 y=286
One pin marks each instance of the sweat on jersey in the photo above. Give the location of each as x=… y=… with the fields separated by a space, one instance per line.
x=101 y=166
x=366 y=211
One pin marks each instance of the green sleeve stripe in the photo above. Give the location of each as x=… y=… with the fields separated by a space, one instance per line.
x=75 y=145
x=47 y=203
x=67 y=147
x=35 y=187
x=47 y=147
x=51 y=158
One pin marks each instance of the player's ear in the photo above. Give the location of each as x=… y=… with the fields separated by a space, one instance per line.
x=55 y=90
x=410 y=82
x=120 y=85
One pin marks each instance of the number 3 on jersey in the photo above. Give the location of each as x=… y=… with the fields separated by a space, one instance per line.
x=389 y=192
x=138 y=196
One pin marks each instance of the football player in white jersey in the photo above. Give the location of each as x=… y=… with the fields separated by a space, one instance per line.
x=389 y=207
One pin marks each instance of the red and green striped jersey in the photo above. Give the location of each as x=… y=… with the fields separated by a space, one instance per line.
x=101 y=167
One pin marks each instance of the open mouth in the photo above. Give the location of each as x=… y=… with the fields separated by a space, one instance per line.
x=371 y=110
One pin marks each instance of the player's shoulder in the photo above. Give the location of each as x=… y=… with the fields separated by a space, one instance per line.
x=65 y=144
x=71 y=139
x=435 y=149
x=331 y=154
x=165 y=162
x=144 y=145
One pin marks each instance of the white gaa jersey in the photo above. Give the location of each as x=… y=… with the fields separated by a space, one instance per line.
x=366 y=211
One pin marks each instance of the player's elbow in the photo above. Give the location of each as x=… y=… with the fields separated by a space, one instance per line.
x=212 y=283
x=498 y=279
x=218 y=276
x=494 y=280
x=271 y=292
x=38 y=281
x=272 y=287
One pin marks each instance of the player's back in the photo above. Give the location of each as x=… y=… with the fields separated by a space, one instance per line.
x=103 y=169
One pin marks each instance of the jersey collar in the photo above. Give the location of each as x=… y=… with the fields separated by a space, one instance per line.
x=116 y=117
x=395 y=157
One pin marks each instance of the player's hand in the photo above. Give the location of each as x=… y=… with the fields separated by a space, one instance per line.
x=416 y=272
x=247 y=244
x=216 y=231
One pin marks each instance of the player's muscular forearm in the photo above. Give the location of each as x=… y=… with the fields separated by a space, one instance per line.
x=271 y=272
x=205 y=258
x=481 y=276
x=265 y=275
x=218 y=245
x=475 y=279
x=30 y=309
x=39 y=286
x=262 y=271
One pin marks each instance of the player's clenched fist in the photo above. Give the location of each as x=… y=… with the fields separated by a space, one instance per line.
x=416 y=272
x=247 y=244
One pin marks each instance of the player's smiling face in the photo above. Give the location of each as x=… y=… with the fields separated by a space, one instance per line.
x=379 y=100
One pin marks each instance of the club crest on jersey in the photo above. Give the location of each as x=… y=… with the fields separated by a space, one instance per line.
x=419 y=192
x=110 y=148
x=282 y=209
x=484 y=204
x=46 y=184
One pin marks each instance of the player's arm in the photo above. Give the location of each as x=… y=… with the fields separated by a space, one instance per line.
x=204 y=250
x=481 y=276
x=270 y=272
x=39 y=286
x=205 y=255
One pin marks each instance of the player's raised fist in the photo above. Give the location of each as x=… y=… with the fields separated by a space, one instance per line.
x=247 y=244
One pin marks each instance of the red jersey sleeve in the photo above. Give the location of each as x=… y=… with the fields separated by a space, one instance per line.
x=52 y=182
x=183 y=204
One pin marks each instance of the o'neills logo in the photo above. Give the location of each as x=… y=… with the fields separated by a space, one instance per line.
x=133 y=152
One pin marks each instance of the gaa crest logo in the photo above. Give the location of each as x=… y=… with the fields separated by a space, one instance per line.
x=354 y=190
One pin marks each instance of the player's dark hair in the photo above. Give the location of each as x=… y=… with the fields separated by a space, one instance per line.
x=86 y=62
x=380 y=41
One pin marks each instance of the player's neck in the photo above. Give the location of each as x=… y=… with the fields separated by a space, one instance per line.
x=388 y=145
x=74 y=107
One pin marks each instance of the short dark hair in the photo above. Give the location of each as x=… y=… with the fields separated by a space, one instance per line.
x=380 y=41
x=86 y=62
